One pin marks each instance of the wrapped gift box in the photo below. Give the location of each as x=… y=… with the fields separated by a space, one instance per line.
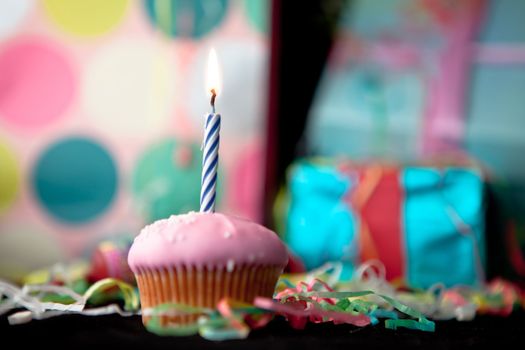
x=425 y=224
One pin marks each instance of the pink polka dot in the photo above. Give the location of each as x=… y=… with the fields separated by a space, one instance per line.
x=37 y=83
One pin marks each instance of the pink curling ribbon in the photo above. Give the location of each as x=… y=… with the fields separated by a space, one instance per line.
x=235 y=321
x=509 y=294
x=300 y=310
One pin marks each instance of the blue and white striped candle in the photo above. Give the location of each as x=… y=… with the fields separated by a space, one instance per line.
x=210 y=161
x=210 y=143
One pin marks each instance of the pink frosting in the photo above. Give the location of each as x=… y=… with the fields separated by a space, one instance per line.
x=206 y=239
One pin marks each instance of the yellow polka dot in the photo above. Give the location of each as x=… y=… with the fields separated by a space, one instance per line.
x=86 y=17
x=9 y=177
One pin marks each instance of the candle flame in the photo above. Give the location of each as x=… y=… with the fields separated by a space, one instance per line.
x=213 y=73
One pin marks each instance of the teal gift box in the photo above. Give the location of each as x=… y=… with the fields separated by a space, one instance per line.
x=425 y=224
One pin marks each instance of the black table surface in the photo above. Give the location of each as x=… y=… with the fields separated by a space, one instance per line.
x=74 y=331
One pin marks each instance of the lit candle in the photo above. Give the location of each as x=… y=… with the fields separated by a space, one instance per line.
x=210 y=144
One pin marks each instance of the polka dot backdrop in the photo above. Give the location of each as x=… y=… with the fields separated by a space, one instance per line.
x=12 y=14
x=102 y=106
x=186 y=18
x=29 y=67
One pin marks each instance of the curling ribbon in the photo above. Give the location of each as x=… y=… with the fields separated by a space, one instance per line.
x=314 y=312
x=362 y=301
x=31 y=297
x=224 y=323
x=328 y=304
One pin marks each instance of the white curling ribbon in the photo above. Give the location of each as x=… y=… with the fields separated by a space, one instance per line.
x=332 y=270
x=371 y=275
x=14 y=297
x=20 y=317
x=107 y=310
x=45 y=288
x=27 y=316
x=75 y=307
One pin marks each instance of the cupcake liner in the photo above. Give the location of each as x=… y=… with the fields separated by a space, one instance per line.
x=202 y=287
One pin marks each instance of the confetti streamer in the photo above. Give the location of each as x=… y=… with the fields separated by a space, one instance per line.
x=31 y=298
x=368 y=299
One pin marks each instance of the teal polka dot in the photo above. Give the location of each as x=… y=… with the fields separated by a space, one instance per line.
x=167 y=179
x=186 y=18
x=75 y=180
x=258 y=13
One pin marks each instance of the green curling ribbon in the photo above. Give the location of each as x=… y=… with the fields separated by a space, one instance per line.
x=336 y=295
x=218 y=328
x=154 y=325
x=215 y=334
x=422 y=325
x=360 y=306
x=128 y=293
x=286 y=282
x=212 y=326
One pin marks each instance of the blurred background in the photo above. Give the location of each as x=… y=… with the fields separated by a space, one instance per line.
x=102 y=107
x=357 y=129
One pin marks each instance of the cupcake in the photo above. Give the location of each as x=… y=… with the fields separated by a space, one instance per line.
x=199 y=258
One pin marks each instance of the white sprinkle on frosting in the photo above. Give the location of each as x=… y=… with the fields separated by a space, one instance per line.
x=230 y=265
x=227 y=234
x=189 y=219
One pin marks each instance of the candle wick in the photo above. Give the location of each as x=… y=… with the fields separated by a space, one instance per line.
x=212 y=101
